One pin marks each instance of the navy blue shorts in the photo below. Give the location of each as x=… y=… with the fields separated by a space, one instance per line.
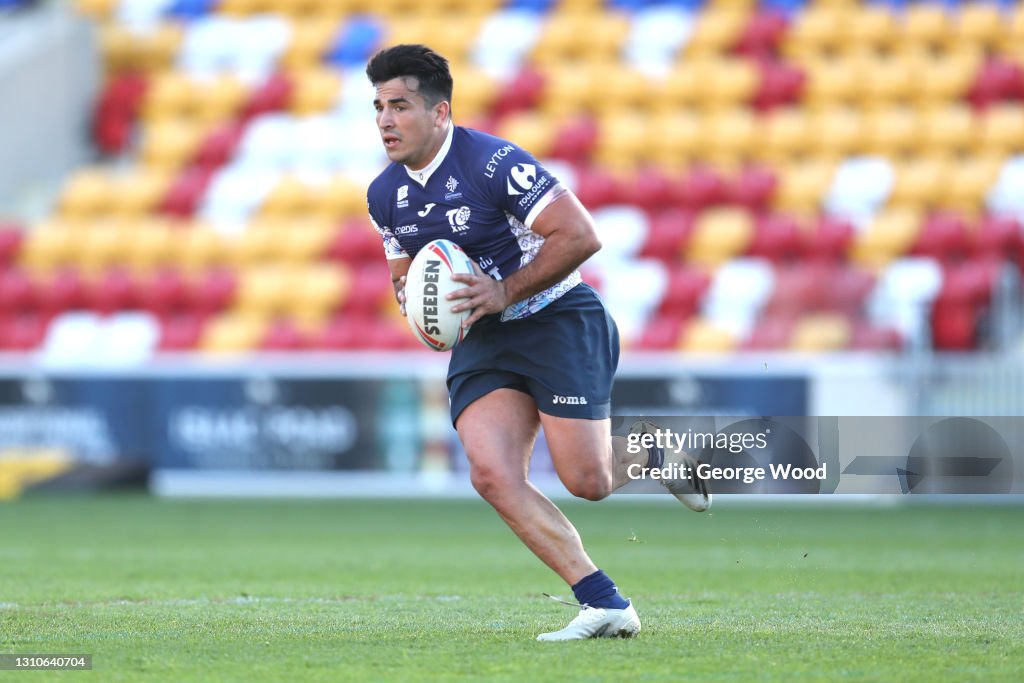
x=564 y=356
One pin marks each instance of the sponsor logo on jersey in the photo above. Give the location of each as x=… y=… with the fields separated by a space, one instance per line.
x=495 y=160
x=486 y=262
x=521 y=178
x=403 y=196
x=426 y=210
x=569 y=400
x=450 y=186
x=458 y=219
x=406 y=229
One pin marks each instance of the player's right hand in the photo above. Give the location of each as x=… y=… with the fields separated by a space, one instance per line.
x=400 y=294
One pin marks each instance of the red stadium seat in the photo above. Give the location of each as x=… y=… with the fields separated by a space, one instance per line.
x=115 y=290
x=522 y=92
x=11 y=237
x=214 y=291
x=596 y=187
x=650 y=189
x=273 y=95
x=771 y=332
x=356 y=242
x=999 y=79
x=180 y=332
x=283 y=335
x=17 y=291
x=661 y=333
x=779 y=84
x=61 y=291
x=999 y=237
x=954 y=327
x=762 y=34
x=753 y=187
x=575 y=140
x=164 y=293
x=669 y=231
x=702 y=187
x=219 y=145
x=372 y=291
x=847 y=289
x=867 y=337
x=830 y=240
x=944 y=236
x=686 y=286
x=776 y=237
x=185 y=193
x=23 y=332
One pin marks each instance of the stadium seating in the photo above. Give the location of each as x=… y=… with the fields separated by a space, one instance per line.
x=775 y=175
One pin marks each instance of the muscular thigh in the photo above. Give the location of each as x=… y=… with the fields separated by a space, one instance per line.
x=498 y=431
x=579 y=447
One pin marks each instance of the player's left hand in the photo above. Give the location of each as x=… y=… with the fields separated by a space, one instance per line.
x=484 y=295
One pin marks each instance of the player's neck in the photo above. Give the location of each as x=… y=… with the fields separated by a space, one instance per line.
x=439 y=151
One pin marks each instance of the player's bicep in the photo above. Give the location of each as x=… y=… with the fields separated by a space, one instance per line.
x=564 y=212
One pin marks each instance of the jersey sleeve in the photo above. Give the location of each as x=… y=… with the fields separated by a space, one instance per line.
x=521 y=185
x=392 y=249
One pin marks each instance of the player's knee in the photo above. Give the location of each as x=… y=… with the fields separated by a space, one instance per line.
x=596 y=485
x=490 y=482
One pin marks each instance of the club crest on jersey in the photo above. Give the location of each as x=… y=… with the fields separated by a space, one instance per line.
x=458 y=219
x=450 y=186
x=521 y=178
x=403 y=196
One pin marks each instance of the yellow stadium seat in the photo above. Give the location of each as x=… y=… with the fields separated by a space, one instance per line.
x=700 y=336
x=623 y=86
x=832 y=81
x=219 y=99
x=291 y=196
x=920 y=181
x=979 y=24
x=784 y=134
x=731 y=135
x=310 y=39
x=95 y=9
x=680 y=137
x=103 y=245
x=972 y=178
x=816 y=30
x=821 y=332
x=683 y=86
x=942 y=78
x=49 y=246
x=570 y=88
x=303 y=240
x=530 y=130
x=152 y=244
x=317 y=290
x=253 y=247
x=623 y=138
x=243 y=8
x=803 y=184
x=169 y=144
x=561 y=38
x=716 y=30
x=169 y=96
x=892 y=130
x=606 y=33
x=871 y=26
x=158 y=50
x=948 y=129
x=889 y=236
x=1013 y=32
x=475 y=92
x=836 y=132
x=314 y=90
x=118 y=47
x=232 y=333
x=199 y=247
x=720 y=234
x=887 y=78
x=339 y=197
x=926 y=24
x=728 y=82
x=88 y=194
x=264 y=290
x=1002 y=128
x=138 y=193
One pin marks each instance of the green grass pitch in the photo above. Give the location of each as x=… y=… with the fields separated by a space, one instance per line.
x=429 y=590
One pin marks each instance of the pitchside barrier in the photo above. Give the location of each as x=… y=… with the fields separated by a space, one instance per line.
x=378 y=424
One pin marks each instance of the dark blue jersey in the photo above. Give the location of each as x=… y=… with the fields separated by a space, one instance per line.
x=481 y=192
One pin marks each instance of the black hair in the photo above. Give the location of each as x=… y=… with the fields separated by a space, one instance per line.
x=418 y=61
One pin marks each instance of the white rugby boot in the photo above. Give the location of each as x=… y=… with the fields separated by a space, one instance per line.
x=691 y=492
x=597 y=622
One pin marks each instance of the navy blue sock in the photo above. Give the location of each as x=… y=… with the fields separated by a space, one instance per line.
x=597 y=590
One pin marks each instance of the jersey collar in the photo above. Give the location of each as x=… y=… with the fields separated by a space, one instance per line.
x=423 y=175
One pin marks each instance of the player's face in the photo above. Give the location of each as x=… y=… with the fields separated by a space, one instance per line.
x=412 y=131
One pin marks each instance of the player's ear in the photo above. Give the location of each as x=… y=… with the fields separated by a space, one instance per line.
x=442 y=112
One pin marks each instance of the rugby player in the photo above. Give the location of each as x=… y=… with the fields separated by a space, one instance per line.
x=542 y=350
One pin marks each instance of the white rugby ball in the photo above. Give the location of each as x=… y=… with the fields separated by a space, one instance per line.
x=427 y=283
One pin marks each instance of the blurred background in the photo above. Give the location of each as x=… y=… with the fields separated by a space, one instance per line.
x=808 y=208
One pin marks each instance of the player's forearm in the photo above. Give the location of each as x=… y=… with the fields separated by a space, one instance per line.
x=563 y=251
